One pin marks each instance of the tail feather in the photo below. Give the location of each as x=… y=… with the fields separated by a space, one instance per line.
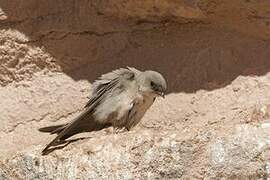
x=53 y=129
x=83 y=123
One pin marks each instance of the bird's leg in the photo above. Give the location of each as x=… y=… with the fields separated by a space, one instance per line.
x=114 y=130
x=117 y=130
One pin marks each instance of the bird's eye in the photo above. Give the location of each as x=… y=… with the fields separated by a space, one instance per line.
x=153 y=84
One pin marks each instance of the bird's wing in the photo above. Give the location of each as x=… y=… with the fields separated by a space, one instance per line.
x=103 y=87
x=114 y=78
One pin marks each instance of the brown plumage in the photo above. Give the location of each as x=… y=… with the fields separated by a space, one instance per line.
x=119 y=99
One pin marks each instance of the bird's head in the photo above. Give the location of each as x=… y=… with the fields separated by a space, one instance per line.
x=152 y=82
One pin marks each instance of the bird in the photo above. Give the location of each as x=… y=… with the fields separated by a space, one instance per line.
x=119 y=99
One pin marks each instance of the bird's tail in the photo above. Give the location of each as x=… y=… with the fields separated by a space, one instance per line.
x=53 y=129
x=83 y=123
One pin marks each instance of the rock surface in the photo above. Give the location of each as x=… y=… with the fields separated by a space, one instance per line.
x=213 y=124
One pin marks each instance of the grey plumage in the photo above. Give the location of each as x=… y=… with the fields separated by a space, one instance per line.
x=119 y=99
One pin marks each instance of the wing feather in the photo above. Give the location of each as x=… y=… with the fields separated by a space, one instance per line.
x=101 y=89
x=114 y=79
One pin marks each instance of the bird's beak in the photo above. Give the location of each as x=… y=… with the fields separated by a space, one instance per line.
x=162 y=94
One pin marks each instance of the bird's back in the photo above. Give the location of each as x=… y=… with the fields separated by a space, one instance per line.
x=116 y=100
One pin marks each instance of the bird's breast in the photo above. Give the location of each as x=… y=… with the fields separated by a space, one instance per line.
x=144 y=104
x=113 y=108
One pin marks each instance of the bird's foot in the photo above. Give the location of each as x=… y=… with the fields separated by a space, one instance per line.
x=118 y=130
